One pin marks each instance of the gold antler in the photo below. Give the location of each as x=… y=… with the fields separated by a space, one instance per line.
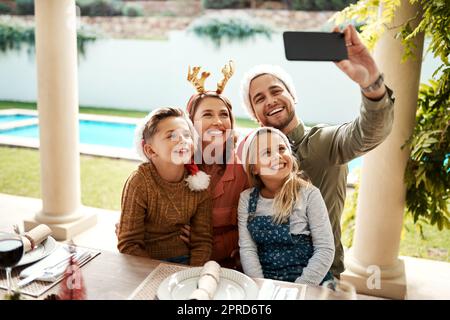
x=228 y=71
x=199 y=84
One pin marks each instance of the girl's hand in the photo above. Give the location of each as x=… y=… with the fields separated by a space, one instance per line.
x=186 y=234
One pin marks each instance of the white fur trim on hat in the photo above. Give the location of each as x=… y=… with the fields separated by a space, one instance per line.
x=198 y=181
x=259 y=70
x=251 y=137
x=139 y=136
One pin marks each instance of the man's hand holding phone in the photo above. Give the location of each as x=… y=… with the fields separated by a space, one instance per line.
x=345 y=49
x=360 y=65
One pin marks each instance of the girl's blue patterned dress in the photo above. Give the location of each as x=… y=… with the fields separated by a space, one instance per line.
x=282 y=255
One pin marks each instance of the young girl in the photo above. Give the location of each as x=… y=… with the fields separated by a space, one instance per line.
x=159 y=197
x=284 y=229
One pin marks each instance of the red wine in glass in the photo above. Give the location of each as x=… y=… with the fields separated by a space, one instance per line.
x=11 y=251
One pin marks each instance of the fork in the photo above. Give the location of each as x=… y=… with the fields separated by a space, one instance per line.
x=46 y=270
x=16 y=229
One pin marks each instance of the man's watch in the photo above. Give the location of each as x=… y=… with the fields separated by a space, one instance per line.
x=374 y=86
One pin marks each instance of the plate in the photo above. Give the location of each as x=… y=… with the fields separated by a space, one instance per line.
x=233 y=285
x=40 y=252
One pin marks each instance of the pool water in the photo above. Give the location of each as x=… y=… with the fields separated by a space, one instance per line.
x=14 y=117
x=355 y=164
x=119 y=135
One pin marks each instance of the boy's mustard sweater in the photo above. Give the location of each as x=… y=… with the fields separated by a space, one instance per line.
x=153 y=212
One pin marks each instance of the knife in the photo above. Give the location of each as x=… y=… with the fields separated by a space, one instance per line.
x=41 y=272
x=51 y=269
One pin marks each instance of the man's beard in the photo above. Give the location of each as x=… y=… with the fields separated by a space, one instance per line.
x=281 y=125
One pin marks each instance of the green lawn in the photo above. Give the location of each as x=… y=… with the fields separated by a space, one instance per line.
x=240 y=122
x=102 y=180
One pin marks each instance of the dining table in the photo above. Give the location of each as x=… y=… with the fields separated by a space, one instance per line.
x=115 y=276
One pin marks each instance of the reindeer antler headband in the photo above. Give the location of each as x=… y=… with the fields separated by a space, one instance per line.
x=199 y=83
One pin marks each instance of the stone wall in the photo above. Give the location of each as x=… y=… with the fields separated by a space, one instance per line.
x=284 y=19
x=9 y=3
x=179 y=8
x=157 y=27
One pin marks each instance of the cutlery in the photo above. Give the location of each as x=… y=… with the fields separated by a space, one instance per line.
x=39 y=273
x=55 y=269
x=16 y=229
x=275 y=292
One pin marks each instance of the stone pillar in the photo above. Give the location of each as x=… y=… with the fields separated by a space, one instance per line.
x=372 y=263
x=56 y=56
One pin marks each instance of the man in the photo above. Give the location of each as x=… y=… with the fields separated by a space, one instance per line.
x=323 y=151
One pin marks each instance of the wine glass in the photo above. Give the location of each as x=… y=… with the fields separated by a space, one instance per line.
x=11 y=252
x=337 y=290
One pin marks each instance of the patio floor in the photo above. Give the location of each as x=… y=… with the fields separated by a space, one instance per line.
x=426 y=279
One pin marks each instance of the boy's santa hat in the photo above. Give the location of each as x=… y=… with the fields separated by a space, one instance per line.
x=197 y=180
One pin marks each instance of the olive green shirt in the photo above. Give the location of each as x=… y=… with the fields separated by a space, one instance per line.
x=323 y=152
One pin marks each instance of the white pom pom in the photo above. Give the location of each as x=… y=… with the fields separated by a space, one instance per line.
x=198 y=182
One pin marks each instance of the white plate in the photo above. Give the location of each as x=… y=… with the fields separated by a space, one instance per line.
x=40 y=252
x=233 y=285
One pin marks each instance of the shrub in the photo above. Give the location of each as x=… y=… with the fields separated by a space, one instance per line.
x=320 y=5
x=100 y=8
x=132 y=10
x=218 y=28
x=25 y=7
x=5 y=9
x=225 y=4
x=12 y=37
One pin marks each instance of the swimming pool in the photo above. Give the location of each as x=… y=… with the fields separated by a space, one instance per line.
x=355 y=164
x=110 y=134
x=14 y=117
x=102 y=133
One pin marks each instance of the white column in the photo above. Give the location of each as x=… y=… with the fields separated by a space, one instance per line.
x=56 y=56
x=381 y=201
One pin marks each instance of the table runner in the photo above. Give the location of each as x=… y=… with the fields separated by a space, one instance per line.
x=148 y=288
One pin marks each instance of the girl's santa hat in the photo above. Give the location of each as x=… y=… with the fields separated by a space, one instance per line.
x=246 y=144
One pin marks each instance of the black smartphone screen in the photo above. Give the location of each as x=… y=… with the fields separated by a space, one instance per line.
x=314 y=46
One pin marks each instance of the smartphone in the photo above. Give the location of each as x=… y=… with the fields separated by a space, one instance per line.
x=314 y=46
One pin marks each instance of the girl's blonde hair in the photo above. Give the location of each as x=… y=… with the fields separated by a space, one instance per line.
x=289 y=194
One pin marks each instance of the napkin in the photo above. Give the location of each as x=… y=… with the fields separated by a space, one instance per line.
x=35 y=236
x=59 y=255
x=270 y=291
x=207 y=282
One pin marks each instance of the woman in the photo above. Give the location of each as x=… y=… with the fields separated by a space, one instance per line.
x=211 y=113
